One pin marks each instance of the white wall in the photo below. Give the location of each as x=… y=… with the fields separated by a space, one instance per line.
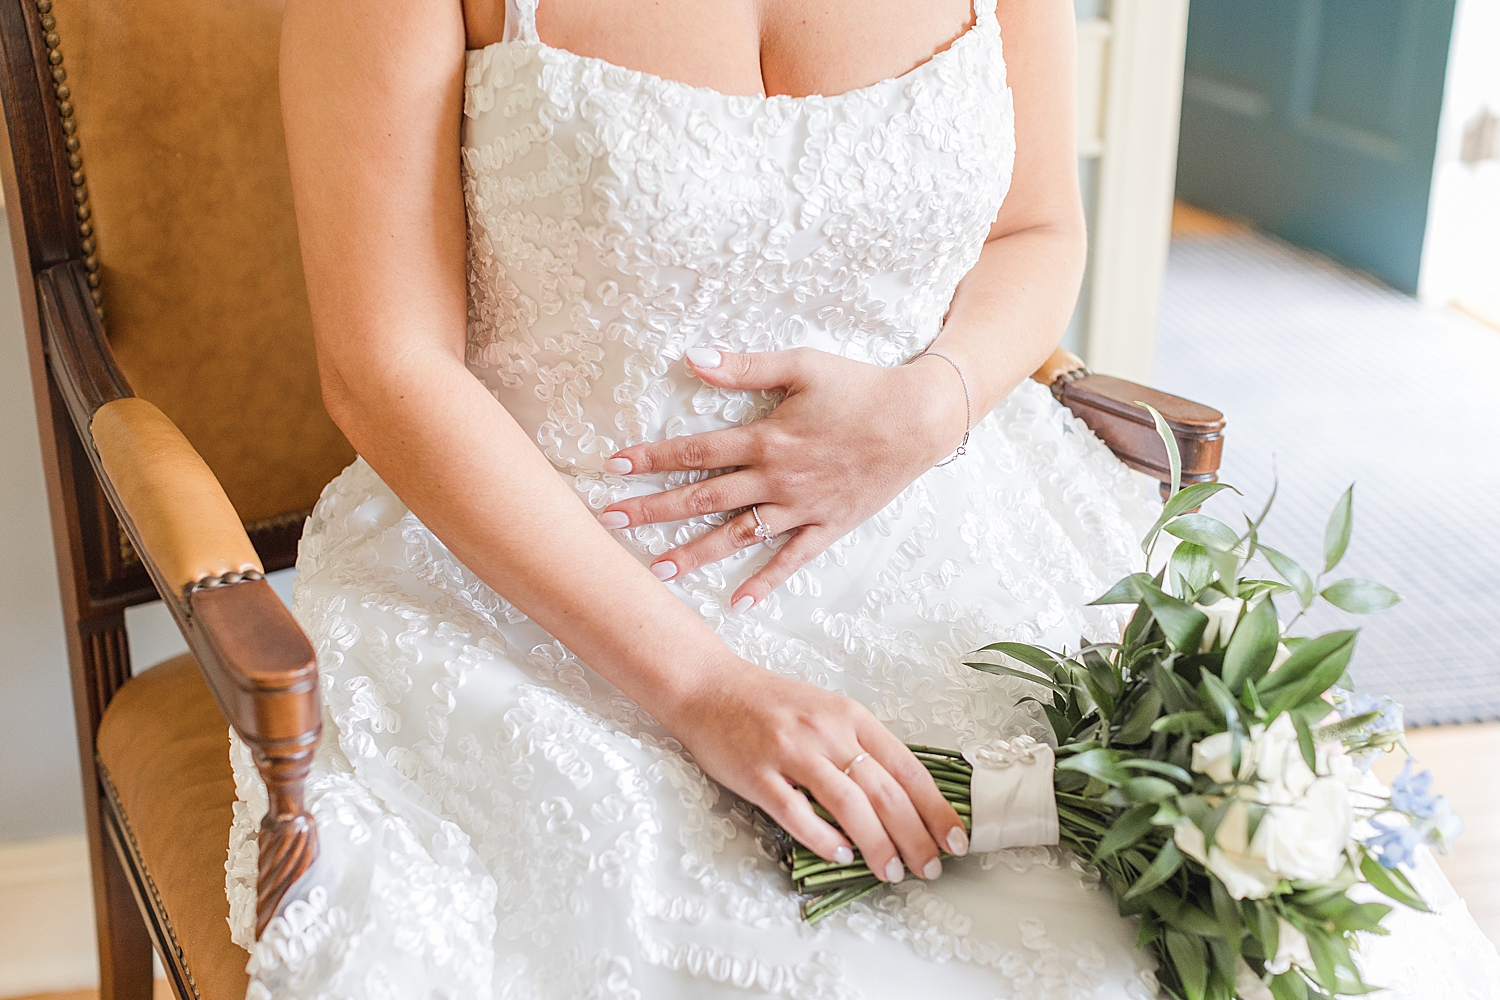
x=39 y=789
x=1461 y=255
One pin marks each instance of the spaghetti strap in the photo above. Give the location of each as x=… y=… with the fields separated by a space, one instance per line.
x=984 y=10
x=520 y=21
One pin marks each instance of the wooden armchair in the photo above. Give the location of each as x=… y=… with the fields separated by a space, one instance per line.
x=184 y=441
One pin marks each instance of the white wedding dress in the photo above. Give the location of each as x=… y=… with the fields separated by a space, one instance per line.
x=496 y=820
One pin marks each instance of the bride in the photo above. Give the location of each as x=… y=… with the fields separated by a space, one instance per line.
x=686 y=367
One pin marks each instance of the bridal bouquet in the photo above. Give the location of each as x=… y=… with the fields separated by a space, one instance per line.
x=1213 y=767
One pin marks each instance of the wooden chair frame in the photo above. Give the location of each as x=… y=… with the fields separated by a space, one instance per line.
x=256 y=660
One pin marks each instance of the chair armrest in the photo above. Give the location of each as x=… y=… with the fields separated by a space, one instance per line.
x=1109 y=407
x=256 y=660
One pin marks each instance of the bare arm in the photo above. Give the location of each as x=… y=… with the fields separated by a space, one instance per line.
x=1011 y=310
x=371 y=93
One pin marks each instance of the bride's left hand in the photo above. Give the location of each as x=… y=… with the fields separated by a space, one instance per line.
x=845 y=440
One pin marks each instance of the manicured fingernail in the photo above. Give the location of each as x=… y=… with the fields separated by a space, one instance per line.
x=704 y=357
x=895 y=871
x=664 y=570
x=958 y=842
x=844 y=856
x=613 y=519
x=618 y=466
x=744 y=604
x=933 y=869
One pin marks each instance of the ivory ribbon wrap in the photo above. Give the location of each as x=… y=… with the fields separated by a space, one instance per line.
x=1012 y=800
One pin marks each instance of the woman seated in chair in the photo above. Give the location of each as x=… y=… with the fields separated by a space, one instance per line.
x=685 y=350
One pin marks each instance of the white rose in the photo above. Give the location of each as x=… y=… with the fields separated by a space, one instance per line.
x=1272 y=756
x=1304 y=830
x=1222 y=616
x=1280 y=770
x=1211 y=756
x=1307 y=838
x=1232 y=859
x=1291 y=949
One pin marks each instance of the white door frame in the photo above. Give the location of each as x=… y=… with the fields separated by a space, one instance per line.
x=1130 y=101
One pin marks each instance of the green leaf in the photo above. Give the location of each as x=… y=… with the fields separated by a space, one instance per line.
x=1168 y=860
x=1224 y=701
x=1228 y=916
x=1158 y=767
x=1189 y=957
x=1289 y=986
x=1305 y=742
x=1174 y=458
x=1292 y=572
x=1183 y=501
x=1137 y=728
x=1385 y=882
x=1044 y=660
x=1252 y=646
x=1062 y=726
x=1206 y=531
x=1252 y=590
x=1004 y=671
x=1101 y=764
x=1323 y=675
x=1305 y=658
x=1268 y=927
x=1360 y=597
x=1127 y=591
x=1361 y=917
x=1182 y=623
x=1149 y=789
x=1190 y=568
x=1186 y=723
x=1336 y=535
x=1129 y=830
x=1325 y=958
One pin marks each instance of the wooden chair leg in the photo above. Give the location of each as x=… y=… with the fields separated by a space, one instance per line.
x=100 y=663
x=124 y=943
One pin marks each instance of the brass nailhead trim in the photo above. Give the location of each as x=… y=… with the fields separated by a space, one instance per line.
x=223 y=580
x=1061 y=382
x=65 y=110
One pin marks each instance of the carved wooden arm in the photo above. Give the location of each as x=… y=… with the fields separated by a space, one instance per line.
x=1109 y=407
x=256 y=659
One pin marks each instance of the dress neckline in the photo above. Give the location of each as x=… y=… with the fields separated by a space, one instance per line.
x=641 y=75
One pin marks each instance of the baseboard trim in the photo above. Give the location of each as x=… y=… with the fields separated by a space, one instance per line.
x=46 y=917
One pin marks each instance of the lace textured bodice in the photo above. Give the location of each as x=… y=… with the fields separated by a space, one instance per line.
x=617 y=219
x=497 y=820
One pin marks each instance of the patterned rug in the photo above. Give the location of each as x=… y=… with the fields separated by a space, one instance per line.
x=1337 y=379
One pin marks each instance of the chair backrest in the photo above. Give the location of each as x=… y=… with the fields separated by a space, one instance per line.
x=167 y=149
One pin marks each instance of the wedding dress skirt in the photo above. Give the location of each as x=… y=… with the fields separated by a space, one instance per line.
x=495 y=819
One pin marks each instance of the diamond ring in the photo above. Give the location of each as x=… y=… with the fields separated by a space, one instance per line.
x=762 y=532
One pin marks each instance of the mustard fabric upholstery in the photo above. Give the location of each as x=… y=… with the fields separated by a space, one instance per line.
x=166 y=749
x=180 y=131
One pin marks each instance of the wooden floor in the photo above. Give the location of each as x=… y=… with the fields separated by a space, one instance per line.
x=1461 y=759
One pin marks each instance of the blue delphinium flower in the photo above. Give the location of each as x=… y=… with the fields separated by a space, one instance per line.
x=1416 y=816
x=1410 y=793
x=1394 y=844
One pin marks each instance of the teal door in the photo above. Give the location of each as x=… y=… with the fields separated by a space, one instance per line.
x=1317 y=120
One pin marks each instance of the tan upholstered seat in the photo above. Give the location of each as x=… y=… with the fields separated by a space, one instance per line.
x=165 y=750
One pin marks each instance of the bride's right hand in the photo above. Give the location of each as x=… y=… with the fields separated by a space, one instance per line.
x=765 y=737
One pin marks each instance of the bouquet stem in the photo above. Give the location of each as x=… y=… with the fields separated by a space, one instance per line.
x=831 y=886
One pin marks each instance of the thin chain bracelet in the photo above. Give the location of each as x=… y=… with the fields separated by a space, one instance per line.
x=961 y=450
